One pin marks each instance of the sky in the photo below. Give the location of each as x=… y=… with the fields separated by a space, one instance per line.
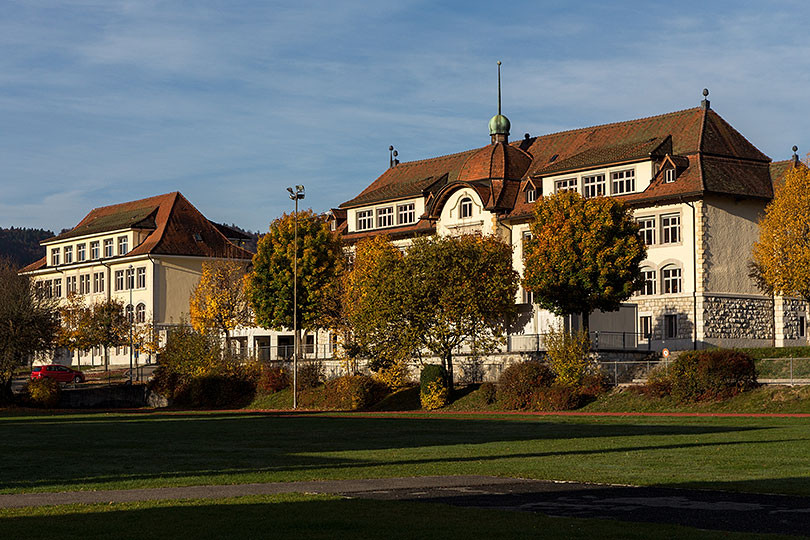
x=229 y=102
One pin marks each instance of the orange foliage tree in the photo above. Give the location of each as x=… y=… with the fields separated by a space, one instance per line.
x=220 y=300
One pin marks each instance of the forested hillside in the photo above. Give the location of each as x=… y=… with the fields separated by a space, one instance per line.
x=21 y=246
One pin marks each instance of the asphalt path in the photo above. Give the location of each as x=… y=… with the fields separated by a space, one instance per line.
x=712 y=510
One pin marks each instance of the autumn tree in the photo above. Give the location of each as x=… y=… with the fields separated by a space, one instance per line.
x=319 y=258
x=782 y=255
x=584 y=255
x=220 y=300
x=73 y=331
x=28 y=324
x=106 y=325
x=373 y=300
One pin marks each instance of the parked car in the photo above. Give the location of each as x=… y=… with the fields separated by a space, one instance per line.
x=59 y=373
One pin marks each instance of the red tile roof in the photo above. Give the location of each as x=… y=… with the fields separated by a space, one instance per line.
x=173 y=220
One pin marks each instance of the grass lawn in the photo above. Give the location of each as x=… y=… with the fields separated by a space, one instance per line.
x=316 y=517
x=150 y=449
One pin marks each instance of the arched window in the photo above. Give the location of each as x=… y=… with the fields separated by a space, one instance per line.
x=671 y=279
x=465 y=208
x=128 y=310
x=649 y=281
x=140 y=313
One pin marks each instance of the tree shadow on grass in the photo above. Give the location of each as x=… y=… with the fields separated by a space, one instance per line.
x=143 y=449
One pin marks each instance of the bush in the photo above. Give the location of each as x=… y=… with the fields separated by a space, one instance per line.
x=273 y=379
x=395 y=376
x=489 y=392
x=310 y=374
x=216 y=391
x=44 y=392
x=353 y=392
x=519 y=382
x=659 y=383
x=712 y=374
x=556 y=398
x=569 y=356
x=434 y=390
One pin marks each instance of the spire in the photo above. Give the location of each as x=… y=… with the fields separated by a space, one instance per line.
x=705 y=102
x=499 y=124
x=795 y=156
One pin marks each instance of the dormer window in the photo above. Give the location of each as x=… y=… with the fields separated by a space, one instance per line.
x=669 y=175
x=123 y=247
x=623 y=181
x=385 y=217
x=365 y=220
x=531 y=195
x=55 y=257
x=466 y=208
x=68 y=254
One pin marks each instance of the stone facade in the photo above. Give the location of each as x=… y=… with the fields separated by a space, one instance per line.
x=731 y=318
x=788 y=311
x=658 y=307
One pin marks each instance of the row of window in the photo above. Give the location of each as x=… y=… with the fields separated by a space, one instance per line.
x=663 y=229
x=82 y=255
x=131 y=278
x=596 y=185
x=386 y=216
x=671 y=280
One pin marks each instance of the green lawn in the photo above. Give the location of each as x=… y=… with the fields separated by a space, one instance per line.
x=150 y=449
x=316 y=517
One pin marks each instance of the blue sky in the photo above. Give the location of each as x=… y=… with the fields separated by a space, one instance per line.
x=230 y=102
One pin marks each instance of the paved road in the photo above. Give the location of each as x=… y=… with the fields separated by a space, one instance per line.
x=703 y=509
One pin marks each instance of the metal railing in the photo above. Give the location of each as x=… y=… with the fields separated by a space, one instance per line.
x=600 y=341
x=284 y=353
x=783 y=371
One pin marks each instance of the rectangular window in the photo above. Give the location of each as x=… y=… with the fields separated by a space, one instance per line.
x=671 y=277
x=669 y=175
x=108 y=247
x=670 y=229
x=645 y=326
x=81 y=253
x=123 y=247
x=649 y=282
x=385 y=217
x=94 y=250
x=593 y=186
x=119 y=280
x=623 y=181
x=57 y=288
x=528 y=297
x=531 y=195
x=646 y=228
x=569 y=184
x=68 y=254
x=141 y=277
x=365 y=220
x=130 y=278
x=527 y=236
x=70 y=284
x=406 y=213
x=802 y=326
x=98 y=282
x=55 y=257
x=670 y=326
x=84 y=284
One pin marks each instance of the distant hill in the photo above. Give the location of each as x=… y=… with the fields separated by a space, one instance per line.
x=21 y=246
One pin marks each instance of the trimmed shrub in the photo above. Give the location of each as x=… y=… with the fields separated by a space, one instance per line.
x=353 y=392
x=273 y=379
x=556 y=398
x=489 y=392
x=434 y=391
x=569 y=356
x=659 y=383
x=519 y=382
x=395 y=376
x=711 y=375
x=310 y=374
x=44 y=392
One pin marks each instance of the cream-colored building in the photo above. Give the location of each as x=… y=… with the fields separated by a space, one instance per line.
x=147 y=254
x=696 y=186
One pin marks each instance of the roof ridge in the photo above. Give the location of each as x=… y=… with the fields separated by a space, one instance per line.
x=162 y=227
x=443 y=156
x=611 y=124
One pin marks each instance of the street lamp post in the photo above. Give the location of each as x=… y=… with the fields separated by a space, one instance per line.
x=130 y=314
x=295 y=196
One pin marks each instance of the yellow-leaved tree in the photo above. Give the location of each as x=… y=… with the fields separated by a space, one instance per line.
x=782 y=255
x=220 y=301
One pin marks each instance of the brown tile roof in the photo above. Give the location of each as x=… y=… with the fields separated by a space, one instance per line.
x=175 y=222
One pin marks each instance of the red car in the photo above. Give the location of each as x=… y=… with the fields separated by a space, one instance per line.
x=59 y=373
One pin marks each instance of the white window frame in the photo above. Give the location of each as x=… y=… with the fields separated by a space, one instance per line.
x=647 y=228
x=385 y=217
x=70 y=284
x=670 y=229
x=406 y=214
x=109 y=247
x=98 y=282
x=623 y=181
x=465 y=208
x=119 y=280
x=68 y=254
x=81 y=252
x=593 y=185
x=55 y=256
x=645 y=326
x=123 y=245
x=84 y=284
x=566 y=184
x=671 y=279
x=95 y=249
x=140 y=313
x=650 y=281
x=130 y=278
x=531 y=195
x=365 y=220
x=669 y=175
x=140 y=277
x=57 y=288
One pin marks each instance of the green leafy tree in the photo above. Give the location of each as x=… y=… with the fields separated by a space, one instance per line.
x=782 y=256
x=584 y=255
x=28 y=324
x=457 y=290
x=270 y=285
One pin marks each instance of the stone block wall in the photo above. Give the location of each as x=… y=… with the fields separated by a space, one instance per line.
x=657 y=307
x=733 y=318
x=787 y=313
